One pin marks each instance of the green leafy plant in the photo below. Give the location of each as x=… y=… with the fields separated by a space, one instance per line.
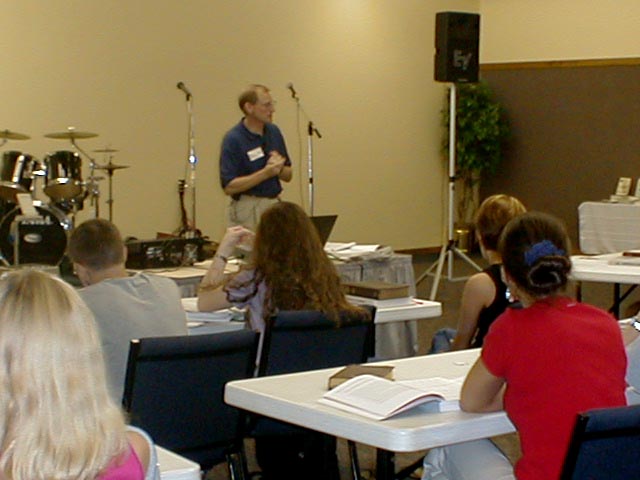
x=481 y=131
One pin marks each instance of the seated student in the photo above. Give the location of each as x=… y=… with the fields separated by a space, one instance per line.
x=58 y=420
x=543 y=363
x=289 y=270
x=484 y=296
x=125 y=307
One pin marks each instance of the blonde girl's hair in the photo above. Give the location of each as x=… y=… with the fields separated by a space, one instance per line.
x=493 y=215
x=57 y=420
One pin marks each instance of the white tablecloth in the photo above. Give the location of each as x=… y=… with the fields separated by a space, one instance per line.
x=608 y=227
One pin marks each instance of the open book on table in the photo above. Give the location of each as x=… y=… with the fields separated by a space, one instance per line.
x=379 y=398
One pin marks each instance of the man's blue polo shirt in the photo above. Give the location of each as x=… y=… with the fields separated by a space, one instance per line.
x=244 y=152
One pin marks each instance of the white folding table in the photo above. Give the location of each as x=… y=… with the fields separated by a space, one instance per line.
x=176 y=467
x=201 y=322
x=294 y=399
x=597 y=268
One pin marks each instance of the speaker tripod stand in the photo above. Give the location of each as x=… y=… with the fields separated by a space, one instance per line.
x=449 y=250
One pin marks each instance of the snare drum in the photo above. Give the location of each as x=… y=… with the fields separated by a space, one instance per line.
x=16 y=174
x=64 y=175
x=43 y=240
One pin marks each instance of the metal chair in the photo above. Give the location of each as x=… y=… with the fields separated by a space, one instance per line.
x=604 y=445
x=174 y=390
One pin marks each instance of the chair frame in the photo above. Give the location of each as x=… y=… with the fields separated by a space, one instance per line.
x=285 y=321
x=180 y=348
x=601 y=424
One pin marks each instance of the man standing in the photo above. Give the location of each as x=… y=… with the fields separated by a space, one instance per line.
x=253 y=159
x=125 y=307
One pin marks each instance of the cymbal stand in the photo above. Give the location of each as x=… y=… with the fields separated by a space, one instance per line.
x=95 y=188
x=311 y=130
x=110 y=200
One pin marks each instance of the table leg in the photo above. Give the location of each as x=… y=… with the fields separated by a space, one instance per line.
x=615 y=309
x=385 y=465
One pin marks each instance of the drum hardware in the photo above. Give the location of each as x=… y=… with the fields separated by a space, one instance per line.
x=110 y=167
x=40 y=239
x=16 y=174
x=9 y=135
x=68 y=194
x=71 y=134
x=105 y=150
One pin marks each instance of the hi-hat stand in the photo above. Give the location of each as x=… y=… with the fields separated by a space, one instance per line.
x=449 y=250
x=311 y=131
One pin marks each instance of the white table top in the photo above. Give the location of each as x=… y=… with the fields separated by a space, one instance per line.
x=293 y=398
x=176 y=467
x=417 y=309
x=598 y=269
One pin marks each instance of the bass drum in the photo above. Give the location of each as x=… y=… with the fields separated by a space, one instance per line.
x=42 y=240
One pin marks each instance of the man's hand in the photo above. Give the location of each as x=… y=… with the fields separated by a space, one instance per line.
x=275 y=164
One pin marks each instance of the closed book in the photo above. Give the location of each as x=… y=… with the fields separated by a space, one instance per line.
x=388 y=303
x=376 y=290
x=351 y=371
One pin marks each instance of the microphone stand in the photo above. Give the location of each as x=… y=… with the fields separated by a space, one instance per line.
x=311 y=130
x=190 y=173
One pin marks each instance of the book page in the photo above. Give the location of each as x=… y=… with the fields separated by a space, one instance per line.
x=448 y=388
x=376 y=397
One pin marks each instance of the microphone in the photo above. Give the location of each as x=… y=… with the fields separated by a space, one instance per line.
x=181 y=86
x=293 y=91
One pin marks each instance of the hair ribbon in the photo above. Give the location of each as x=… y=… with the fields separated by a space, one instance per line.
x=541 y=249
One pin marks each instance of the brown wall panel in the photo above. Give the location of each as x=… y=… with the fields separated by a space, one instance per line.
x=575 y=130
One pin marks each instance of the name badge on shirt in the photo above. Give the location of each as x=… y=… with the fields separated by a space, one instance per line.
x=255 y=154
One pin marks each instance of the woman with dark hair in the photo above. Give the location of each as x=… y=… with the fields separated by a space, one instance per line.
x=289 y=270
x=543 y=363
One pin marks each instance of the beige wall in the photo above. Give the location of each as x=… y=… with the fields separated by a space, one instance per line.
x=521 y=30
x=363 y=70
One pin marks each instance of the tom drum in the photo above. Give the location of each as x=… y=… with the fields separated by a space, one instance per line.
x=16 y=174
x=64 y=175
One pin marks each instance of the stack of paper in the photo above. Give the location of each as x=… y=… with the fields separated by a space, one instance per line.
x=352 y=251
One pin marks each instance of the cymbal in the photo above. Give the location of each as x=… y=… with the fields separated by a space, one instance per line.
x=9 y=135
x=110 y=167
x=94 y=179
x=106 y=150
x=70 y=135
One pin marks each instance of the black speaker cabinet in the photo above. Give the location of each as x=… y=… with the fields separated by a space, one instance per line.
x=457 y=46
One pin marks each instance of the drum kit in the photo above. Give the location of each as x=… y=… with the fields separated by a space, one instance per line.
x=59 y=177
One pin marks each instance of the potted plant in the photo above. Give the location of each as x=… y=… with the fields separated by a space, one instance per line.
x=481 y=131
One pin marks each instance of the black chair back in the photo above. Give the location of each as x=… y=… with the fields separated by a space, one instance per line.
x=605 y=445
x=174 y=389
x=298 y=341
